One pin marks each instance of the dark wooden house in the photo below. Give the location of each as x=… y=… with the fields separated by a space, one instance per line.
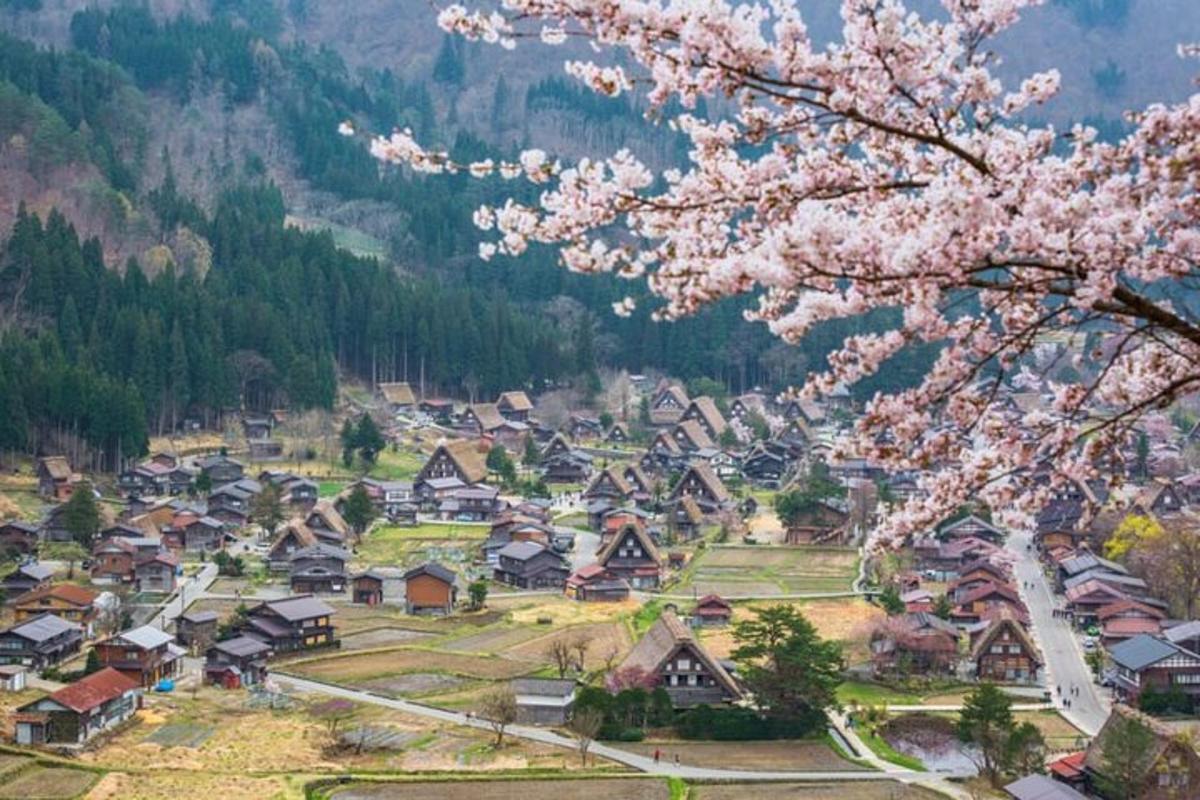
x=295 y=623
x=679 y=663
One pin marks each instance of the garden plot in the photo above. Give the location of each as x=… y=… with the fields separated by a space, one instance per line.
x=771 y=571
x=47 y=783
x=496 y=640
x=415 y=683
x=181 y=734
x=382 y=637
x=596 y=789
x=379 y=737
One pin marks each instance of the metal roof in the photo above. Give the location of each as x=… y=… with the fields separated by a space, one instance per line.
x=1141 y=651
x=1186 y=630
x=1040 y=787
x=146 y=637
x=547 y=687
x=434 y=569
x=521 y=551
x=303 y=606
x=242 y=646
x=42 y=628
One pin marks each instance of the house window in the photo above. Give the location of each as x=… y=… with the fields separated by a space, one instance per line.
x=997 y=649
x=684 y=664
x=1187 y=677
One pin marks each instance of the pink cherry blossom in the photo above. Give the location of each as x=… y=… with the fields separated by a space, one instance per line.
x=886 y=170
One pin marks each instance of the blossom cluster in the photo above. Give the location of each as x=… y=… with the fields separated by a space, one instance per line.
x=890 y=169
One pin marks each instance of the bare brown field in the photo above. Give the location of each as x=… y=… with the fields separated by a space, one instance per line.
x=784 y=754
x=492 y=641
x=174 y=784
x=383 y=663
x=261 y=753
x=847 y=790
x=606 y=788
x=414 y=683
x=1058 y=732
x=47 y=783
x=843 y=619
x=381 y=637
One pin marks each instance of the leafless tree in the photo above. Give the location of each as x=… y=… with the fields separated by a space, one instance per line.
x=586 y=724
x=580 y=647
x=499 y=708
x=559 y=652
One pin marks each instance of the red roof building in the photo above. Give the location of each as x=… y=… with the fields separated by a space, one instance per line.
x=76 y=713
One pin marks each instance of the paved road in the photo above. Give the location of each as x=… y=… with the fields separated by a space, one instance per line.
x=190 y=590
x=584 y=554
x=886 y=771
x=1065 y=665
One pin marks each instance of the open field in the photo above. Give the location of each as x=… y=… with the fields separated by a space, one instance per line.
x=173 y=784
x=382 y=637
x=493 y=640
x=559 y=610
x=848 y=790
x=782 y=754
x=257 y=744
x=1058 y=732
x=18 y=496
x=875 y=694
x=843 y=619
x=362 y=667
x=46 y=783
x=601 y=789
x=768 y=571
x=399 y=546
x=397 y=465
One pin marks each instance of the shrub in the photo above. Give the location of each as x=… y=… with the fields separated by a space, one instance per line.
x=742 y=724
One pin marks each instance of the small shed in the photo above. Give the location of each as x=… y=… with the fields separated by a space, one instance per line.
x=712 y=611
x=430 y=589
x=544 y=701
x=196 y=629
x=12 y=678
x=367 y=588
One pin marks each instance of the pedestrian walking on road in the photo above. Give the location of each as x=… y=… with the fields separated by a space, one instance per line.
x=657 y=755
x=677 y=759
x=1058 y=689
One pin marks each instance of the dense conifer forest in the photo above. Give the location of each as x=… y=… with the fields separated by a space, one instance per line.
x=107 y=356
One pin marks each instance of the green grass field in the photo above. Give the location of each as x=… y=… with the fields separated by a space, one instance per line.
x=770 y=571
x=401 y=465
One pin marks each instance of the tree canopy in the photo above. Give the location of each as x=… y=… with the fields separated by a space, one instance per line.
x=792 y=672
